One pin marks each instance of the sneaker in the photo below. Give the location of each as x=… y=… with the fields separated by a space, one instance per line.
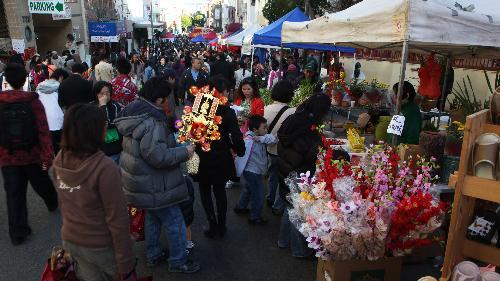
x=188 y=267
x=159 y=259
x=260 y=221
x=229 y=184
x=241 y=211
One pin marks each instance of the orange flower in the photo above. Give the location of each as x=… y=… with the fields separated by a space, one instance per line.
x=194 y=90
x=187 y=109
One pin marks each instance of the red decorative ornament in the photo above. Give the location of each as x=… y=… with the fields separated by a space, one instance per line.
x=194 y=90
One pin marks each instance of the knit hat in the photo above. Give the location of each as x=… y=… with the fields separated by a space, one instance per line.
x=310 y=66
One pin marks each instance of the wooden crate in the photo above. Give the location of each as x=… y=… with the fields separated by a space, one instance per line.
x=387 y=269
x=468 y=188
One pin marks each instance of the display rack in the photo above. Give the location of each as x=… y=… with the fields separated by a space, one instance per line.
x=468 y=189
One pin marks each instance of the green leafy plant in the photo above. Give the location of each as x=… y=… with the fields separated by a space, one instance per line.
x=464 y=98
x=305 y=90
x=495 y=85
x=265 y=95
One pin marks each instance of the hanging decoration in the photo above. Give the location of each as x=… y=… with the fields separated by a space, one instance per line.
x=199 y=124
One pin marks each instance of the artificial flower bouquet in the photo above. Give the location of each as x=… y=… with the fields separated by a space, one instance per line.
x=384 y=207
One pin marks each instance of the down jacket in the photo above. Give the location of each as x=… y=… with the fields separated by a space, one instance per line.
x=150 y=161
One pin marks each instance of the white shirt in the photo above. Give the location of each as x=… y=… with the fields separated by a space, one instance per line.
x=238 y=76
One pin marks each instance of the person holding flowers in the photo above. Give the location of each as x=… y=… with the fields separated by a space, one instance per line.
x=217 y=164
x=248 y=97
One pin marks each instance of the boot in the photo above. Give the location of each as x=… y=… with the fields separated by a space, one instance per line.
x=212 y=229
x=221 y=226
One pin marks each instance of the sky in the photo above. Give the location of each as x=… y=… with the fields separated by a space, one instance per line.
x=136 y=6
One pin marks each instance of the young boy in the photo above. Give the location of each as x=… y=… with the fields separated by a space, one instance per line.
x=253 y=166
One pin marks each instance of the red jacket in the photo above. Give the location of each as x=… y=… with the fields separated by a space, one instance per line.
x=40 y=153
x=256 y=106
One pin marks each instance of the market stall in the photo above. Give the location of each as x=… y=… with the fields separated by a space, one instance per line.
x=427 y=27
x=403 y=25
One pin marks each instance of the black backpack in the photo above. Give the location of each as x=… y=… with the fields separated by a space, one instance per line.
x=18 y=130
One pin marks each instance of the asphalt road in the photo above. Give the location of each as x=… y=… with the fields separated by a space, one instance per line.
x=247 y=253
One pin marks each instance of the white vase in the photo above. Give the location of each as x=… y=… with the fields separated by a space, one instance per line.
x=466 y=271
x=427 y=278
x=490 y=276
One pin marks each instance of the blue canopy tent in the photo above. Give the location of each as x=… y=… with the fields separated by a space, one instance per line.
x=199 y=39
x=271 y=35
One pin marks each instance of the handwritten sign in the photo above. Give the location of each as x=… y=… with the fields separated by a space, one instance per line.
x=396 y=125
x=18 y=45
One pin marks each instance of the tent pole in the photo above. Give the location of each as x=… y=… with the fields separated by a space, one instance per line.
x=404 y=60
x=445 y=88
x=280 y=77
x=251 y=61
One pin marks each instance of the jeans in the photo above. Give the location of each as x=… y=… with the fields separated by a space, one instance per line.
x=92 y=264
x=16 y=185
x=273 y=183
x=219 y=190
x=254 y=192
x=173 y=223
x=116 y=158
x=290 y=237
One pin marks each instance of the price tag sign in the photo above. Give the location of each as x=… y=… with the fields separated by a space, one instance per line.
x=396 y=126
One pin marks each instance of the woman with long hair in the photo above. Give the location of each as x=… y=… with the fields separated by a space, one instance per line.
x=298 y=148
x=248 y=97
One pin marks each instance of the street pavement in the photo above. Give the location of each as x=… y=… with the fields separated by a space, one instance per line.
x=247 y=253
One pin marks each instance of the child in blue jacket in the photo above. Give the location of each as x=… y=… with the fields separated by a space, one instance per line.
x=253 y=166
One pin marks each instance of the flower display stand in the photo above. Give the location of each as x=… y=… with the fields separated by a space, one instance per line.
x=468 y=189
x=386 y=269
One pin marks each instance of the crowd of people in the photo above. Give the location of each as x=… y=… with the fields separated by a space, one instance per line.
x=95 y=139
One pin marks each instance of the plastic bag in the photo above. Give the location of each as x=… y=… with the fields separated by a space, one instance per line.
x=137 y=217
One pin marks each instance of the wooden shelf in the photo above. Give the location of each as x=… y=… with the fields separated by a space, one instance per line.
x=486 y=253
x=467 y=190
x=481 y=188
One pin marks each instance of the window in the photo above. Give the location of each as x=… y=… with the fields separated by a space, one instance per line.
x=4 y=28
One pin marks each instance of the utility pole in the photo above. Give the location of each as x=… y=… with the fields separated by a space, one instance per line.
x=152 y=30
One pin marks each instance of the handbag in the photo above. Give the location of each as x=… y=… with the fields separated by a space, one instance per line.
x=193 y=164
x=112 y=135
x=59 y=267
x=137 y=217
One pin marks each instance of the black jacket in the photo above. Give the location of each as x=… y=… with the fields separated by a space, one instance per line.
x=187 y=81
x=217 y=165
x=298 y=147
x=73 y=90
x=223 y=68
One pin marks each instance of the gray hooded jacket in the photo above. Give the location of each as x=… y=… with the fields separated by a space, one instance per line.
x=150 y=161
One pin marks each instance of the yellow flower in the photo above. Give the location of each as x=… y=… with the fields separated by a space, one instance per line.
x=306 y=196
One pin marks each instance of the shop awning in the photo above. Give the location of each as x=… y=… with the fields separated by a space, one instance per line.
x=428 y=26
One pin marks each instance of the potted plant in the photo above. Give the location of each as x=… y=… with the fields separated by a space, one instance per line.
x=454 y=138
x=464 y=101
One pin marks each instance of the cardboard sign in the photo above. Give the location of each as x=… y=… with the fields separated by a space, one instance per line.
x=18 y=45
x=396 y=125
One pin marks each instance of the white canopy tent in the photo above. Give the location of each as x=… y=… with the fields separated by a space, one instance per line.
x=422 y=25
x=237 y=39
x=427 y=25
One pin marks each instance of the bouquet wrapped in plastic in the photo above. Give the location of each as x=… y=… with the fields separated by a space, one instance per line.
x=384 y=207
